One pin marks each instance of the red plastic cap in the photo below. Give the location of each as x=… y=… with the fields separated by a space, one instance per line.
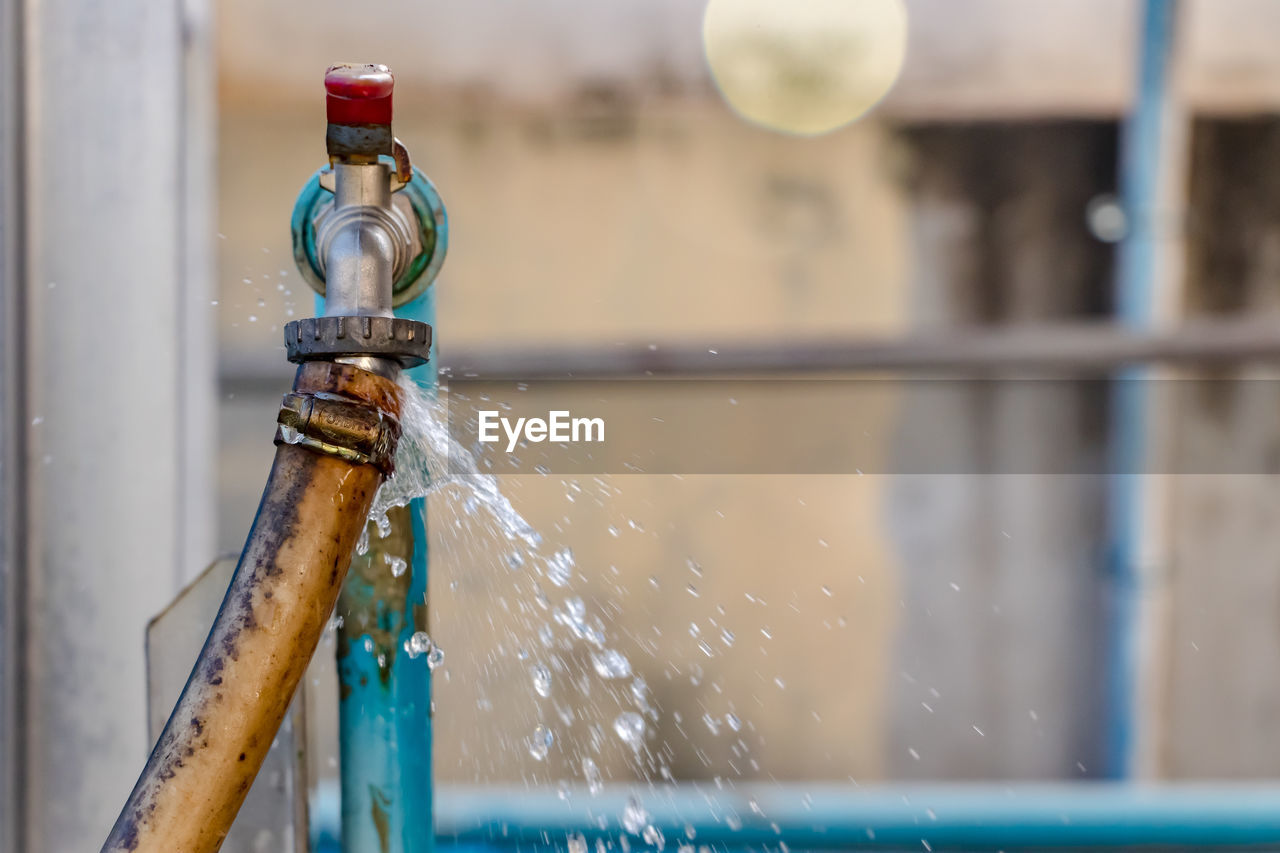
x=358 y=94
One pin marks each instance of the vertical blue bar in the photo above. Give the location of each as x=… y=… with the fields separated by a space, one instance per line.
x=1140 y=174
x=385 y=709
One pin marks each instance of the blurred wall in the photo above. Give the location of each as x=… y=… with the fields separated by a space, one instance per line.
x=970 y=59
x=600 y=192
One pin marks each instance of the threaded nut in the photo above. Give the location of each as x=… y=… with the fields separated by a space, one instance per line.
x=327 y=338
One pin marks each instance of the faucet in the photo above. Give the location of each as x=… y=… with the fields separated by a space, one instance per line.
x=336 y=437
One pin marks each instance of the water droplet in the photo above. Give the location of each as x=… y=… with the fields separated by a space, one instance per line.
x=826 y=590
x=653 y=837
x=629 y=727
x=560 y=567
x=592 y=774
x=435 y=657
x=540 y=742
x=542 y=680
x=726 y=636
x=733 y=722
x=634 y=816
x=694 y=631
x=253 y=318
x=577 y=843
x=398 y=565
x=418 y=644
x=693 y=590
x=713 y=725
x=611 y=664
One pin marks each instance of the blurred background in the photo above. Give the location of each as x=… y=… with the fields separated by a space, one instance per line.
x=617 y=182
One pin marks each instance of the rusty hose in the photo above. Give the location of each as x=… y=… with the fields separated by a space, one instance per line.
x=313 y=510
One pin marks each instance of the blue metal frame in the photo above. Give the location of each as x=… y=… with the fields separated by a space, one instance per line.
x=825 y=816
x=1140 y=168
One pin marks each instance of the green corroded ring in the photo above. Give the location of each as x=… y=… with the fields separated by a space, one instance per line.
x=422 y=269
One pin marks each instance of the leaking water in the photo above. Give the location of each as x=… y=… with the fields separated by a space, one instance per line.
x=584 y=699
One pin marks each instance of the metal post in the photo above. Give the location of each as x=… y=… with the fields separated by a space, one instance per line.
x=1147 y=286
x=13 y=430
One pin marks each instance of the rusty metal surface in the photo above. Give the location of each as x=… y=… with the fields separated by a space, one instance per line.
x=372 y=584
x=358 y=143
x=322 y=377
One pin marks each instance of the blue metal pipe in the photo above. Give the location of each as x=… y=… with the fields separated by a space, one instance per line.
x=838 y=817
x=1141 y=160
x=385 y=698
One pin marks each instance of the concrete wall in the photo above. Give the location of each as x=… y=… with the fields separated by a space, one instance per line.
x=970 y=59
x=996 y=662
x=1224 y=698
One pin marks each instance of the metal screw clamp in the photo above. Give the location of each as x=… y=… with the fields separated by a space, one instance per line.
x=356 y=432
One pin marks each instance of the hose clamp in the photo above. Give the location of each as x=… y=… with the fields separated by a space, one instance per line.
x=329 y=424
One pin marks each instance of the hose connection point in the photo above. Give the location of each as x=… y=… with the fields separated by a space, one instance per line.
x=352 y=431
x=329 y=338
x=341 y=410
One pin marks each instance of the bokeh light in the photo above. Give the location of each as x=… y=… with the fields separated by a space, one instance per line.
x=805 y=66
